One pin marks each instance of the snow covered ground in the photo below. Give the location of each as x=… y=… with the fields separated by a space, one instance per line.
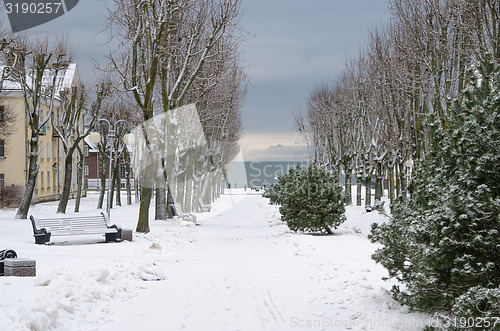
x=242 y=269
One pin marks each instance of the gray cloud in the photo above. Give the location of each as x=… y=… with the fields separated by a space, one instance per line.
x=297 y=44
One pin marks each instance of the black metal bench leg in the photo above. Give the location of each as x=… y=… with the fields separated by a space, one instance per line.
x=114 y=236
x=43 y=238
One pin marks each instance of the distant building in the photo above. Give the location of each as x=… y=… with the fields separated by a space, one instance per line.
x=14 y=150
x=92 y=159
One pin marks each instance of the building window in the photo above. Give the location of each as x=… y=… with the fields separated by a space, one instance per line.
x=41 y=150
x=2 y=148
x=86 y=150
x=86 y=170
x=54 y=150
x=48 y=179
x=44 y=127
x=122 y=171
x=54 y=177
x=48 y=149
x=2 y=114
x=2 y=181
x=42 y=186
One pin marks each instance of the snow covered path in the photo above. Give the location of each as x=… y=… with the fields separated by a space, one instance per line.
x=242 y=269
x=245 y=271
x=235 y=276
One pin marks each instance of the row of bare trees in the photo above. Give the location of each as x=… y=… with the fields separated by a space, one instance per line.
x=372 y=119
x=172 y=53
x=169 y=54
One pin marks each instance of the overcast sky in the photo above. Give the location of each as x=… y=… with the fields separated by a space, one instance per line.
x=294 y=45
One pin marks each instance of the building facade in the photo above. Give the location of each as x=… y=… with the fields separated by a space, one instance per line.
x=92 y=173
x=14 y=149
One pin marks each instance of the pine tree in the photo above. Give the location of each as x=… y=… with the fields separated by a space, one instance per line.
x=310 y=200
x=443 y=243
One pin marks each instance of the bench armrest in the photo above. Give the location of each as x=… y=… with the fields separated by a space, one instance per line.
x=42 y=235
x=8 y=254
x=112 y=236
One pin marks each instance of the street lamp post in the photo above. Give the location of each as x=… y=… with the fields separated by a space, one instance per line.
x=128 y=139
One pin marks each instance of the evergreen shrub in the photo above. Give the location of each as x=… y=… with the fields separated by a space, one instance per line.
x=309 y=200
x=443 y=242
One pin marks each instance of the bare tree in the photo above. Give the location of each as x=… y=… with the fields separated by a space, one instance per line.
x=115 y=107
x=69 y=126
x=142 y=31
x=39 y=66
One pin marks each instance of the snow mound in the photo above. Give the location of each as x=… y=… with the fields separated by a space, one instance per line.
x=82 y=295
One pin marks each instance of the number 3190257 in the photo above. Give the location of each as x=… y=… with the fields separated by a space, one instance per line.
x=33 y=8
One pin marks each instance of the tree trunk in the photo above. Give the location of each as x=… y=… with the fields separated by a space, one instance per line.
x=188 y=200
x=378 y=182
x=336 y=173
x=136 y=187
x=68 y=172
x=170 y=201
x=402 y=177
x=22 y=212
x=111 y=187
x=208 y=185
x=102 y=175
x=390 y=174
x=118 y=183
x=398 y=181
x=160 y=201
x=143 y=222
x=160 y=191
x=129 y=188
x=348 y=188
x=359 y=184
x=79 y=183
x=181 y=181
x=218 y=184
x=197 y=185
x=368 y=190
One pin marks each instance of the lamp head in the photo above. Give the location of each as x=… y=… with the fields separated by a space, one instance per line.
x=129 y=139
x=95 y=137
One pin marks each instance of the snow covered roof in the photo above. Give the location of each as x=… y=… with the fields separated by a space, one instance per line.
x=66 y=78
x=92 y=146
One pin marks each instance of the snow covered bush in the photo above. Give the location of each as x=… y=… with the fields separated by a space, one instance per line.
x=10 y=196
x=273 y=194
x=443 y=243
x=310 y=200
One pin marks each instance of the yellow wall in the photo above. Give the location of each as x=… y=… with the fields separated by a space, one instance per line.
x=14 y=164
x=51 y=167
x=51 y=164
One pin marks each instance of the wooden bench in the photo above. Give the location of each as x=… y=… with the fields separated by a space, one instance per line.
x=204 y=207
x=44 y=228
x=177 y=211
x=376 y=204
